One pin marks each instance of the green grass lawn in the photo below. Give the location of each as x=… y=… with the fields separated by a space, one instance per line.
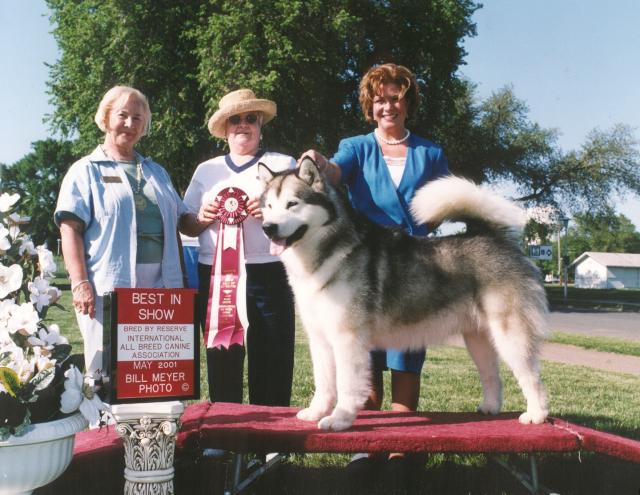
x=602 y=344
x=603 y=400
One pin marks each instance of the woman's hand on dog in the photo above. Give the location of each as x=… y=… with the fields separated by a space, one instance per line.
x=330 y=170
x=319 y=159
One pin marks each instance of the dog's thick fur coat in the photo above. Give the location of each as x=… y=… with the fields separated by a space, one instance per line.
x=360 y=286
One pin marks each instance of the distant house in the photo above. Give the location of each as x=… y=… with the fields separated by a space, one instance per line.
x=607 y=270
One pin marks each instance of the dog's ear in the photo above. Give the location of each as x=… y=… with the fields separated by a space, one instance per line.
x=309 y=172
x=264 y=173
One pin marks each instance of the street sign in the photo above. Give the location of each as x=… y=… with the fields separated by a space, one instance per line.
x=537 y=252
x=154 y=345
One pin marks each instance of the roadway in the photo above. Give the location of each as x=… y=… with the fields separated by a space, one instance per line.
x=617 y=325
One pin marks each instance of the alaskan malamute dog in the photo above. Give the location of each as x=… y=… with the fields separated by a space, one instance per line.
x=361 y=286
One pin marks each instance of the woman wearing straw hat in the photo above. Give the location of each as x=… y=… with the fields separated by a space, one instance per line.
x=269 y=301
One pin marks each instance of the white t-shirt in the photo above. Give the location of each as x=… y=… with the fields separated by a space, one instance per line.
x=219 y=173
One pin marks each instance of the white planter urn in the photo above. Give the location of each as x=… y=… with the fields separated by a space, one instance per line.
x=39 y=456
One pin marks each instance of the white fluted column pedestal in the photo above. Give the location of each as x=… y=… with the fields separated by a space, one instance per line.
x=149 y=434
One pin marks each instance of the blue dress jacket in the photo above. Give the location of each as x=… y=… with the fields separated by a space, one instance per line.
x=371 y=190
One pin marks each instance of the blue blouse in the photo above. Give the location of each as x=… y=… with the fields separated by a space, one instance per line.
x=371 y=190
x=96 y=190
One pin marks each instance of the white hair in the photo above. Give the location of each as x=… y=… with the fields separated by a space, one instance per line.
x=114 y=95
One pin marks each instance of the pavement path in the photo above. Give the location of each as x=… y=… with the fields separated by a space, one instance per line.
x=625 y=326
x=606 y=361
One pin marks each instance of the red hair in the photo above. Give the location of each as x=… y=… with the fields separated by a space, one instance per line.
x=378 y=76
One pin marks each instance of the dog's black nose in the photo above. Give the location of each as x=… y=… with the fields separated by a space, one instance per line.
x=271 y=229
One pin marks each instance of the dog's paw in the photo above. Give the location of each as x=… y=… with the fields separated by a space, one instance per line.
x=309 y=414
x=335 y=422
x=533 y=417
x=488 y=408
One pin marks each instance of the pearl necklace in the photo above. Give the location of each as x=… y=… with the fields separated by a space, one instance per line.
x=393 y=142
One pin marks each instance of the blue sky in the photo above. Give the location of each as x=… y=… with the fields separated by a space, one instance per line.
x=576 y=63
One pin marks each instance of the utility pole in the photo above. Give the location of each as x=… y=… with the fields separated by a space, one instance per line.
x=559 y=255
x=565 y=257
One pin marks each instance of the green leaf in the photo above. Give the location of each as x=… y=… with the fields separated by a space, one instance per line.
x=61 y=352
x=10 y=381
x=43 y=379
x=5 y=358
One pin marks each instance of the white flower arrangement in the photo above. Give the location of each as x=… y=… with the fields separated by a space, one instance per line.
x=39 y=378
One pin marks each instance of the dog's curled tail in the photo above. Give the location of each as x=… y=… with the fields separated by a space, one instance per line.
x=459 y=200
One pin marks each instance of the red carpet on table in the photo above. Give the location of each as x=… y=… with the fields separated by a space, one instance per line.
x=98 y=463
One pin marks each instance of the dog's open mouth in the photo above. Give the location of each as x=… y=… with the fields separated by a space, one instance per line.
x=278 y=245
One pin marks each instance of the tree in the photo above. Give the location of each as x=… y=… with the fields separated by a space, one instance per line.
x=309 y=57
x=602 y=232
x=37 y=177
x=495 y=140
x=142 y=44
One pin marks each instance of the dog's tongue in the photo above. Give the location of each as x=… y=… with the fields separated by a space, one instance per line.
x=277 y=247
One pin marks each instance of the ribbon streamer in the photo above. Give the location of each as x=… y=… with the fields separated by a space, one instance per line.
x=226 y=312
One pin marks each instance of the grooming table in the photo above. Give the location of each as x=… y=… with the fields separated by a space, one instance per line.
x=243 y=429
x=234 y=430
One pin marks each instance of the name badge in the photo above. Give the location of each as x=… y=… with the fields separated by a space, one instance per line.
x=111 y=179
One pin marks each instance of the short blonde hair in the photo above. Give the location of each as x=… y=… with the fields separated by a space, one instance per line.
x=377 y=76
x=114 y=95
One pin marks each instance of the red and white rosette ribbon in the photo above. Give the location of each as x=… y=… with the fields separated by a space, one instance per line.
x=227 y=308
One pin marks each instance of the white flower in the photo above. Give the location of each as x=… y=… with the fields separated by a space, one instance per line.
x=54 y=332
x=78 y=393
x=7 y=201
x=6 y=308
x=24 y=319
x=27 y=245
x=46 y=261
x=54 y=294
x=14 y=231
x=42 y=360
x=39 y=292
x=19 y=363
x=48 y=338
x=15 y=219
x=5 y=337
x=10 y=279
x=4 y=238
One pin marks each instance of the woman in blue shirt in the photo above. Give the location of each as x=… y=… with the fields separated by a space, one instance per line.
x=382 y=171
x=118 y=214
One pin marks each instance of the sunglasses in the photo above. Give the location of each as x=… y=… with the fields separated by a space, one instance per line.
x=250 y=118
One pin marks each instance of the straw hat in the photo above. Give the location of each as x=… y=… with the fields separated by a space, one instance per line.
x=239 y=101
